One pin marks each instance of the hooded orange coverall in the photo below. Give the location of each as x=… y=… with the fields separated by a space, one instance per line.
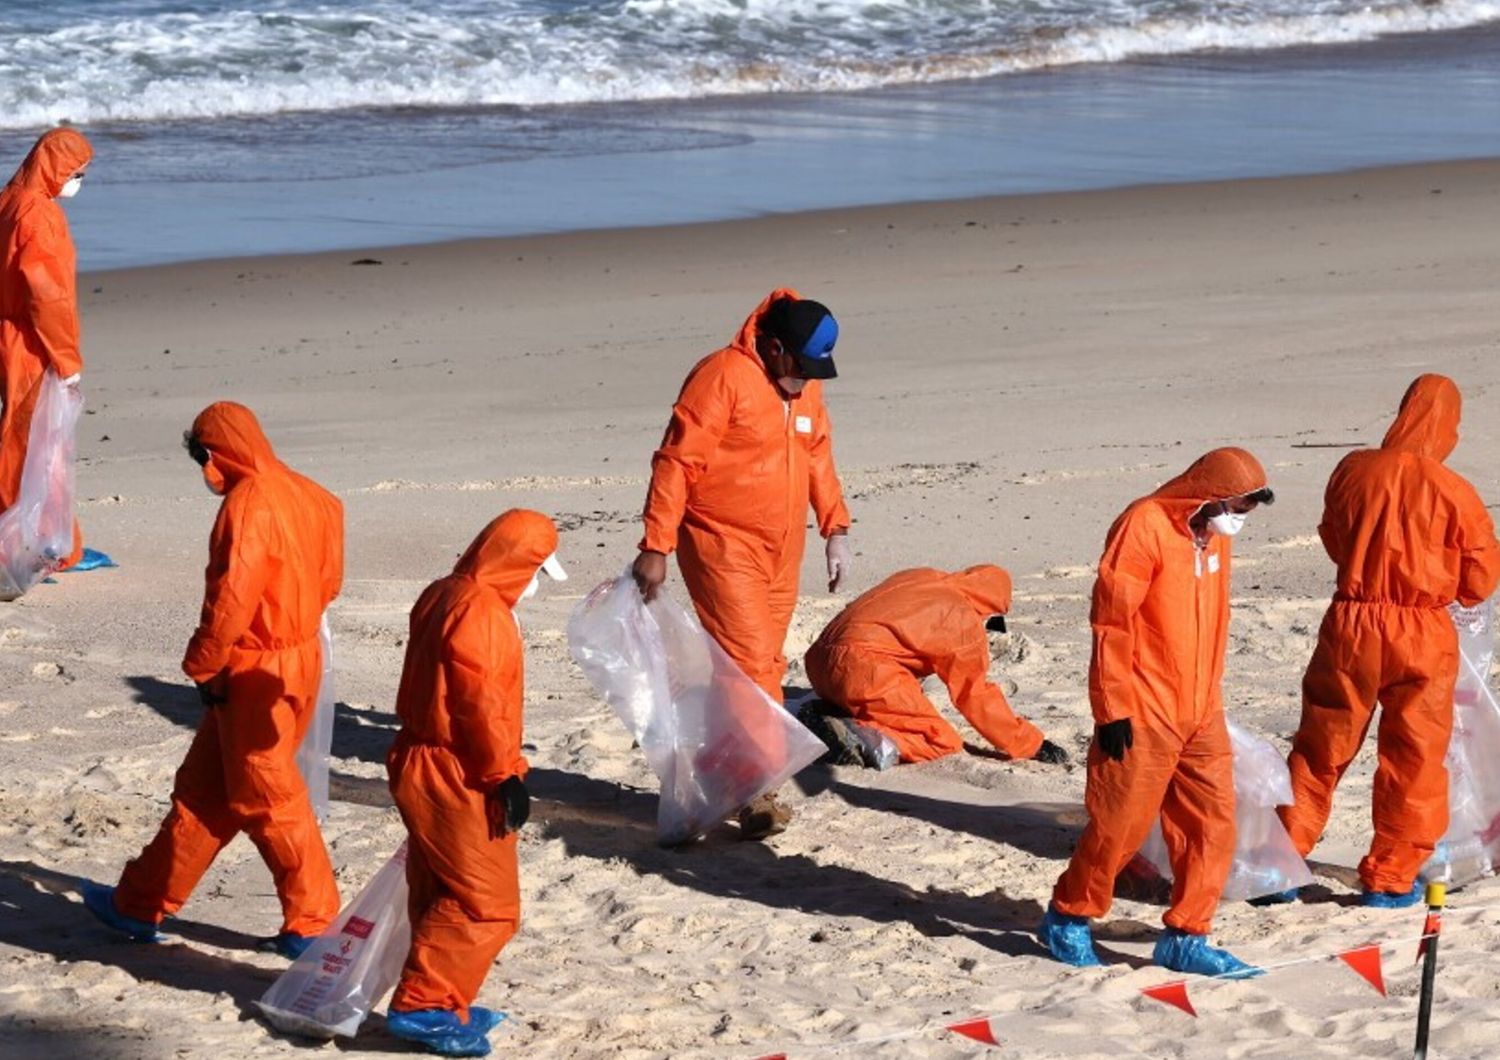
x=460 y=706
x=1409 y=537
x=730 y=487
x=1160 y=619
x=872 y=657
x=38 y=296
x=276 y=560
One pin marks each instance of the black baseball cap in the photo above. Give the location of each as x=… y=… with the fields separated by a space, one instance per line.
x=808 y=332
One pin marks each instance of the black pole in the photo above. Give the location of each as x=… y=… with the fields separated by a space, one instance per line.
x=1437 y=895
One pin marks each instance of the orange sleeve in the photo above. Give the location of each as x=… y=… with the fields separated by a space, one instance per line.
x=482 y=675
x=51 y=302
x=699 y=421
x=827 y=493
x=333 y=577
x=1336 y=548
x=966 y=673
x=235 y=581
x=1126 y=571
x=1479 y=565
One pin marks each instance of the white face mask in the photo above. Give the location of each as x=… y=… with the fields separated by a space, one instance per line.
x=552 y=568
x=70 y=189
x=1228 y=523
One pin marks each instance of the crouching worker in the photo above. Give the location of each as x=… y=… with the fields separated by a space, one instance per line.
x=1161 y=748
x=276 y=560
x=871 y=659
x=456 y=772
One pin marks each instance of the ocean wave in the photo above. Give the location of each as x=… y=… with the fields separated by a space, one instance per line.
x=139 y=62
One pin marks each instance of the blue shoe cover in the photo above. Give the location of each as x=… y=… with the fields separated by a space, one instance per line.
x=289 y=944
x=484 y=1019
x=1388 y=900
x=439 y=1030
x=91 y=560
x=1277 y=897
x=100 y=900
x=1069 y=939
x=1182 y=952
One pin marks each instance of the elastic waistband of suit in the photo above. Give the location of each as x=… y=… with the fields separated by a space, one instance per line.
x=279 y=645
x=1341 y=598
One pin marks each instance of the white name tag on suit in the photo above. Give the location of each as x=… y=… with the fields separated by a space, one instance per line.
x=803 y=425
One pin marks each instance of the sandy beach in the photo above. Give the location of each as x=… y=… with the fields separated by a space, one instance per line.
x=1014 y=371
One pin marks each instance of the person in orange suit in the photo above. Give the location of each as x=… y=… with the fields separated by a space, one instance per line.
x=1409 y=538
x=276 y=561
x=870 y=660
x=749 y=446
x=38 y=295
x=457 y=774
x=1160 y=621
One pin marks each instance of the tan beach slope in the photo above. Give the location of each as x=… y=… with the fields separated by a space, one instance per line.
x=1015 y=371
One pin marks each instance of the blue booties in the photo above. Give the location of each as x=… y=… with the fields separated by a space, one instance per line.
x=1069 y=939
x=441 y=1031
x=100 y=900
x=484 y=1019
x=1393 y=900
x=91 y=560
x=1182 y=952
x=289 y=944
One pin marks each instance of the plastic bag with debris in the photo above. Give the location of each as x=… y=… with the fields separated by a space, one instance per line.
x=332 y=987
x=710 y=734
x=1265 y=861
x=36 y=533
x=1471 y=847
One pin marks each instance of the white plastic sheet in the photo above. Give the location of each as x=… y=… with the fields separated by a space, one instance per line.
x=36 y=533
x=712 y=736
x=1471 y=847
x=332 y=987
x=317 y=742
x=1264 y=859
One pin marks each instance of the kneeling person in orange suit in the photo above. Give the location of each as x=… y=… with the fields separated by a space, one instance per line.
x=1410 y=537
x=1160 y=621
x=749 y=446
x=276 y=561
x=456 y=772
x=871 y=659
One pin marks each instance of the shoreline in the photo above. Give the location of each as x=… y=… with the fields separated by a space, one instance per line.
x=1233 y=188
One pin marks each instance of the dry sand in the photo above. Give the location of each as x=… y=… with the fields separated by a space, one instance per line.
x=1015 y=371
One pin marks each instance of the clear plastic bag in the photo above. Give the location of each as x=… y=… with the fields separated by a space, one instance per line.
x=1470 y=849
x=1265 y=861
x=332 y=987
x=317 y=742
x=881 y=751
x=712 y=736
x=36 y=533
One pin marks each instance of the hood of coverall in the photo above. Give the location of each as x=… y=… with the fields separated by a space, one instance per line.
x=237 y=446
x=986 y=587
x=1217 y=475
x=53 y=160
x=744 y=340
x=508 y=552
x=1428 y=421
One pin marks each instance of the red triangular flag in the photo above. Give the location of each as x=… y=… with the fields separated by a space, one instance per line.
x=1431 y=926
x=1174 y=994
x=978 y=1029
x=774 y=1056
x=1366 y=961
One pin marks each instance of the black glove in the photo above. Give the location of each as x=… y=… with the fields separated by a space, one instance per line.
x=507 y=807
x=1051 y=754
x=211 y=692
x=1115 y=738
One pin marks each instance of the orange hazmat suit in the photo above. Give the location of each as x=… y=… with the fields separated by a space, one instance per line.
x=872 y=657
x=730 y=488
x=1160 y=621
x=38 y=296
x=275 y=563
x=460 y=706
x=1409 y=537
